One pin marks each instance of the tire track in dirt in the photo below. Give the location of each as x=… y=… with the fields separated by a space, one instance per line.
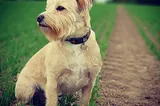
x=131 y=73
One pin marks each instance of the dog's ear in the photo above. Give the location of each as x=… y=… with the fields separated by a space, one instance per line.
x=84 y=4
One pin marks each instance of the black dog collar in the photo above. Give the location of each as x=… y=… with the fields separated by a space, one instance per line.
x=79 y=40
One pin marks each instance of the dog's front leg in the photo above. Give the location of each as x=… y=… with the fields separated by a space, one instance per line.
x=86 y=94
x=51 y=90
x=87 y=90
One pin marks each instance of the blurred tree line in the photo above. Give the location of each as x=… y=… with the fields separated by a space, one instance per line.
x=152 y=2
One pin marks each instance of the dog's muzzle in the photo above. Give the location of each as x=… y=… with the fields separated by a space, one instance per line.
x=40 y=19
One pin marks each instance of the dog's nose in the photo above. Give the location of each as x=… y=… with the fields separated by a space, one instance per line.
x=40 y=18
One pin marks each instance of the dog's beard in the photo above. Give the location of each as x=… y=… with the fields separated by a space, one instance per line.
x=58 y=25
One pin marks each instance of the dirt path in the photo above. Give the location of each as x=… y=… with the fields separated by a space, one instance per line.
x=131 y=74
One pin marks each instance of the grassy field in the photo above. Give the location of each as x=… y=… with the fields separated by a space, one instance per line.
x=20 y=38
x=149 y=16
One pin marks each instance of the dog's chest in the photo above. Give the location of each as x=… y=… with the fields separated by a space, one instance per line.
x=75 y=75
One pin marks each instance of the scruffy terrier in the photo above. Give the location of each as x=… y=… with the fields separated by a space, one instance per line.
x=71 y=60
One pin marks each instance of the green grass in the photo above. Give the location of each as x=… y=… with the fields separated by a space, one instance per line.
x=150 y=17
x=149 y=43
x=100 y=16
x=20 y=38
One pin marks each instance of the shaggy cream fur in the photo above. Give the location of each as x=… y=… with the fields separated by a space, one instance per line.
x=62 y=67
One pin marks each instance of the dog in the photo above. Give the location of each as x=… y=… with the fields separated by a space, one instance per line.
x=70 y=62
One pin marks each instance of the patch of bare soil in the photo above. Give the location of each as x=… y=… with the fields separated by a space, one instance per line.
x=131 y=73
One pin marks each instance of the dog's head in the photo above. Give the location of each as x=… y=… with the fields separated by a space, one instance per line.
x=64 y=18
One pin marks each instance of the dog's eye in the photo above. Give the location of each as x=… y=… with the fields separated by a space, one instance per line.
x=60 y=8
